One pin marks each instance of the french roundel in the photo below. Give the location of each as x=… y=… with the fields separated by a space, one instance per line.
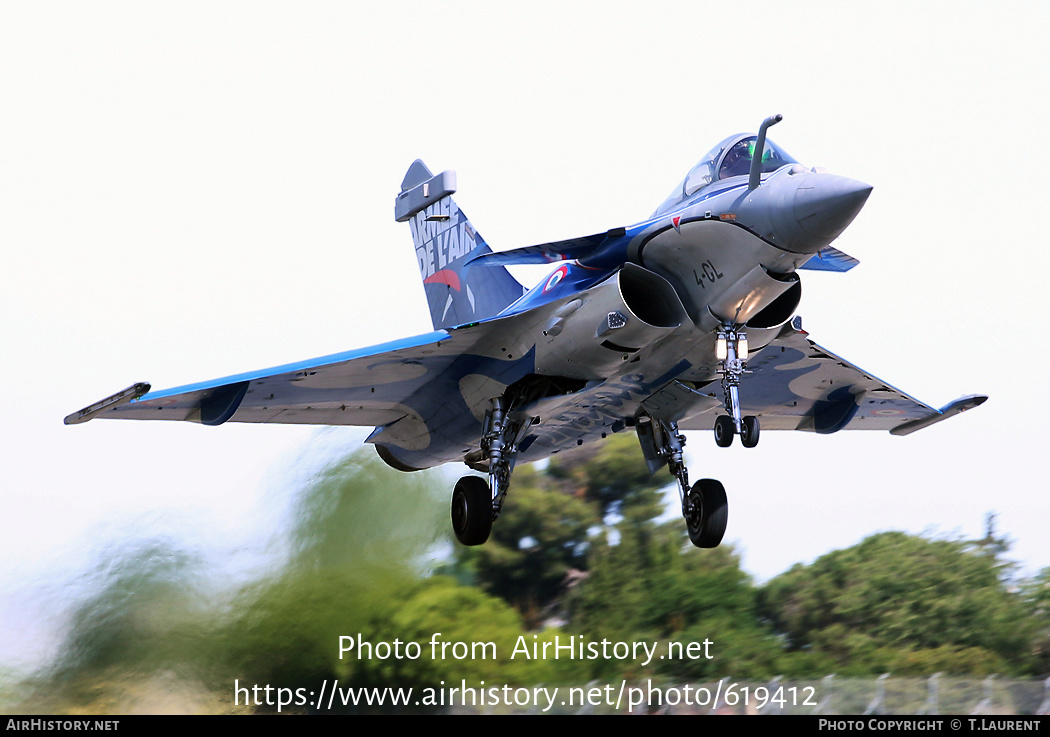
x=555 y=278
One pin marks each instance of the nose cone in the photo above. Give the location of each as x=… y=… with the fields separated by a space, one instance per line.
x=825 y=204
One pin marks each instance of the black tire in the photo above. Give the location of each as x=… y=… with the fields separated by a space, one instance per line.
x=472 y=510
x=724 y=431
x=749 y=432
x=709 y=513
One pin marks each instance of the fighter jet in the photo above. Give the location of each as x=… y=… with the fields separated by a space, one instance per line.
x=684 y=321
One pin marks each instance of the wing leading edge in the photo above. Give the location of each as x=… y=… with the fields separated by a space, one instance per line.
x=361 y=387
x=424 y=395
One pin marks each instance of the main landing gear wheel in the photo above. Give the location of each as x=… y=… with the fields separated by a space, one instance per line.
x=724 y=431
x=704 y=504
x=472 y=510
x=749 y=431
x=707 y=513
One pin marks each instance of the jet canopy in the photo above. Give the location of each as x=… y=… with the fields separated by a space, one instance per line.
x=730 y=158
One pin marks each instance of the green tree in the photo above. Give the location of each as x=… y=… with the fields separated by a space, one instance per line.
x=289 y=630
x=1036 y=595
x=361 y=542
x=139 y=615
x=544 y=535
x=359 y=513
x=614 y=475
x=648 y=582
x=899 y=601
x=541 y=536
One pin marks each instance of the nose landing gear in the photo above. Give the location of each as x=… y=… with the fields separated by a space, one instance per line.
x=731 y=350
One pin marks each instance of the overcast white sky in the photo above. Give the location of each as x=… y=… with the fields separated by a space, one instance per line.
x=194 y=189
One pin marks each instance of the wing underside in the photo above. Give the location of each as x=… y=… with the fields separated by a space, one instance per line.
x=792 y=384
x=797 y=384
x=365 y=387
x=427 y=395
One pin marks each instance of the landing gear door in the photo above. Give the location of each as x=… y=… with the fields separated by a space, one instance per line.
x=647 y=437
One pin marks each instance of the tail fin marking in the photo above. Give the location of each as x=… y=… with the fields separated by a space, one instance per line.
x=443 y=238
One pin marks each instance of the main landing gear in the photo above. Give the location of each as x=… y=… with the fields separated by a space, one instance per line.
x=731 y=350
x=475 y=503
x=704 y=504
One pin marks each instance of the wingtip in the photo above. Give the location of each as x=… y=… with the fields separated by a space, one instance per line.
x=949 y=410
x=125 y=396
x=964 y=403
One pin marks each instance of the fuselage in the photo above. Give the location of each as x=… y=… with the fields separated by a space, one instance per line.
x=631 y=329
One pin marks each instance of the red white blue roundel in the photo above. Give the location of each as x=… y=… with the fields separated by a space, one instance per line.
x=555 y=278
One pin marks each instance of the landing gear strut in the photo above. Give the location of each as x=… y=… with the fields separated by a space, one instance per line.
x=704 y=504
x=731 y=350
x=476 y=504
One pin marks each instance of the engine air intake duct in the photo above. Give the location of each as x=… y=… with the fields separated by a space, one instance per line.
x=628 y=311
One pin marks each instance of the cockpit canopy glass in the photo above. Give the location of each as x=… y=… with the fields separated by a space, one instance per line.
x=730 y=158
x=737 y=161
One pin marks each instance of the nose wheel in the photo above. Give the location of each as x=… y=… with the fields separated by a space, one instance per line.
x=749 y=431
x=731 y=350
x=724 y=431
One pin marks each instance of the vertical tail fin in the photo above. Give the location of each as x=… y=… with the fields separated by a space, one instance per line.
x=445 y=240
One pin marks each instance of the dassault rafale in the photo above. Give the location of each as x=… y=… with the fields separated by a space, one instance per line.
x=684 y=321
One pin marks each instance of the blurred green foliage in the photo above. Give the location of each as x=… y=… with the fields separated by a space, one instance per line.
x=653 y=585
x=541 y=536
x=905 y=604
x=613 y=475
x=578 y=551
x=1036 y=595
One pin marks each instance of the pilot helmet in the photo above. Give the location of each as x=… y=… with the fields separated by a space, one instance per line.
x=737 y=161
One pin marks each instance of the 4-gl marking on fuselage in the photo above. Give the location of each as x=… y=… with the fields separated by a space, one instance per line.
x=708 y=272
